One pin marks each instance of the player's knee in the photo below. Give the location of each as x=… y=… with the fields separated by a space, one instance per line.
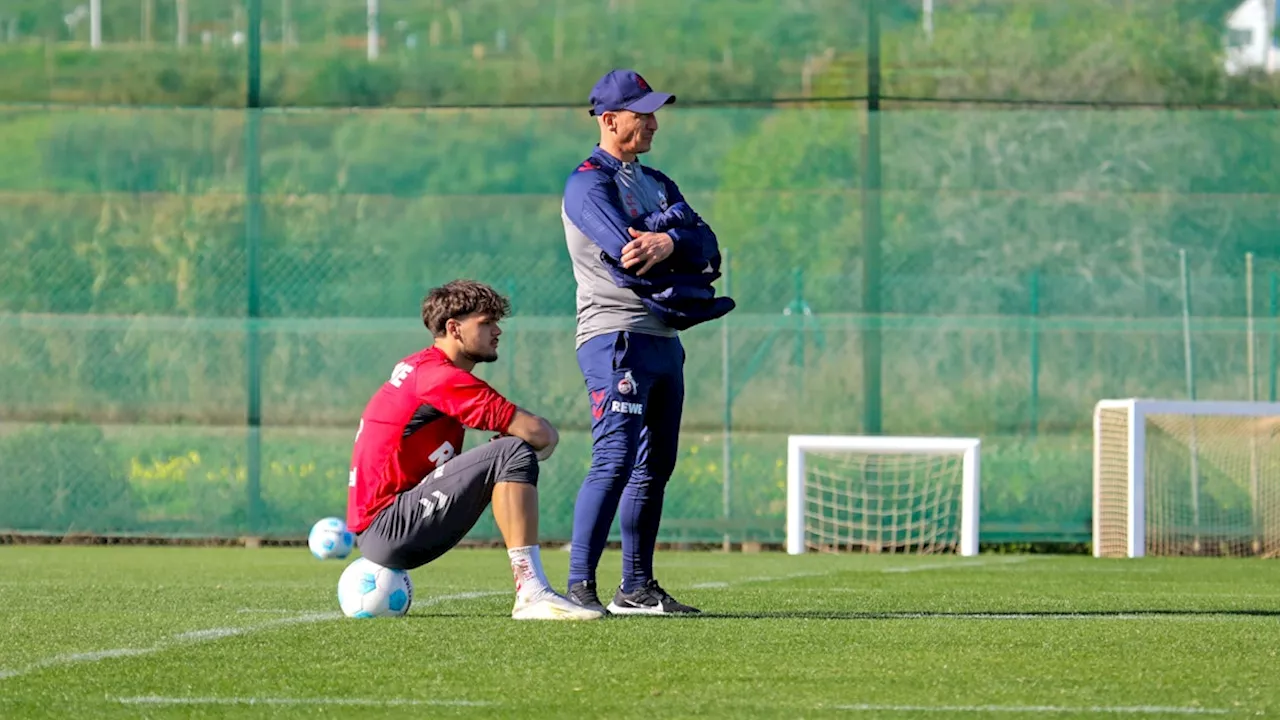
x=519 y=461
x=655 y=473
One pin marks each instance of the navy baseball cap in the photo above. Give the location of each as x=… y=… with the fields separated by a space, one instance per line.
x=626 y=90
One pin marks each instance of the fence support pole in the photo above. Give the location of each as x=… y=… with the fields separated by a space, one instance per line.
x=871 y=231
x=253 y=241
x=510 y=354
x=95 y=24
x=1191 y=395
x=1034 y=404
x=1275 y=314
x=798 y=310
x=726 y=385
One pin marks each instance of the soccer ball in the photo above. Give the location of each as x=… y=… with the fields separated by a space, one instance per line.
x=367 y=589
x=330 y=538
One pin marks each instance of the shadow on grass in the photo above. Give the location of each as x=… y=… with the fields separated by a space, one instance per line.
x=982 y=615
x=906 y=615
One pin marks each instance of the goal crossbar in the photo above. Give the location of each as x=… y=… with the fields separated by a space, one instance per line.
x=1243 y=408
x=967 y=448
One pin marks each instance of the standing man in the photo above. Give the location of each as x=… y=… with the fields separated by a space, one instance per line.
x=644 y=263
x=412 y=494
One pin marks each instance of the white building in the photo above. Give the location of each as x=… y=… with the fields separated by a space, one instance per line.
x=1250 y=38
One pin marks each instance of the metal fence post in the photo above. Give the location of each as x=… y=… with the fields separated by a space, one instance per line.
x=510 y=361
x=871 y=230
x=253 y=241
x=1275 y=316
x=726 y=384
x=1034 y=403
x=799 y=310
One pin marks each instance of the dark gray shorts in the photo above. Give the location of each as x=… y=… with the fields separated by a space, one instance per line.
x=427 y=520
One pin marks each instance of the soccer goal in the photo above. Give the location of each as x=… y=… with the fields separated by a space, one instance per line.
x=882 y=494
x=1175 y=477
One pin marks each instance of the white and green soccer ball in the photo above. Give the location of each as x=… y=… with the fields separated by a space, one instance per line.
x=368 y=590
x=330 y=538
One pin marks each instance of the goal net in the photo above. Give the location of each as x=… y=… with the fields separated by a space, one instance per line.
x=882 y=494
x=1186 y=478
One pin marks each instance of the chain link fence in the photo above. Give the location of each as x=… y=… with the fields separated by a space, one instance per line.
x=1030 y=256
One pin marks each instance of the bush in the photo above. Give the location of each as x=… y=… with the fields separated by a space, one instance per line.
x=62 y=479
x=352 y=83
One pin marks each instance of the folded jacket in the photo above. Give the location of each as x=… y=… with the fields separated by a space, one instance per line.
x=679 y=289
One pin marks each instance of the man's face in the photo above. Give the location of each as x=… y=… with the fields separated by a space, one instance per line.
x=476 y=336
x=634 y=131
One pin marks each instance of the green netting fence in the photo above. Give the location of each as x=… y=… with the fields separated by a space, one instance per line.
x=197 y=299
x=1031 y=267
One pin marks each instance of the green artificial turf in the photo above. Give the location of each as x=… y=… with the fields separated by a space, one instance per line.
x=212 y=632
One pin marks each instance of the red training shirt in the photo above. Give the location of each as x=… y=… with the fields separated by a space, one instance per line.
x=414 y=423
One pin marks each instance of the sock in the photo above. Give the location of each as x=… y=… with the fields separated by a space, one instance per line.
x=526 y=565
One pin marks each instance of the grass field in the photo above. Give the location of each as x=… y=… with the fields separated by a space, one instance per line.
x=208 y=632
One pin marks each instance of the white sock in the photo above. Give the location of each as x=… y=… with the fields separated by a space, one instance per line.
x=526 y=565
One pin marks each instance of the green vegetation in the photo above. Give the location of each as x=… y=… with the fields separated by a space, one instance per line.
x=67 y=472
x=466 y=52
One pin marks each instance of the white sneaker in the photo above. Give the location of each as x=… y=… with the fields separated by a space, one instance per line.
x=551 y=606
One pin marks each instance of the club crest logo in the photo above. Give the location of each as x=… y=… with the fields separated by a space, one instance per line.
x=627 y=385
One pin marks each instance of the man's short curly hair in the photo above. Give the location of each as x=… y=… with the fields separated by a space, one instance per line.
x=459 y=299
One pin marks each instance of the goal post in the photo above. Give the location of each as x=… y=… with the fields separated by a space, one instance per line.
x=882 y=493
x=1185 y=477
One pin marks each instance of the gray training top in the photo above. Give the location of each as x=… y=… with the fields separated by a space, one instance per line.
x=602 y=306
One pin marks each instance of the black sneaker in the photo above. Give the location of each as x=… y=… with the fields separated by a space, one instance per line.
x=583 y=593
x=649 y=599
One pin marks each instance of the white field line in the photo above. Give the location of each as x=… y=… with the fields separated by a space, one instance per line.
x=389 y=702
x=895 y=569
x=462 y=596
x=757 y=579
x=1145 y=595
x=360 y=702
x=199 y=636
x=1096 y=709
x=959 y=565
x=1189 y=616
x=472 y=595
x=264 y=611
x=195 y=636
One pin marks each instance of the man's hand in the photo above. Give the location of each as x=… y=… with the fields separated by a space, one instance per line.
x=647 y=248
